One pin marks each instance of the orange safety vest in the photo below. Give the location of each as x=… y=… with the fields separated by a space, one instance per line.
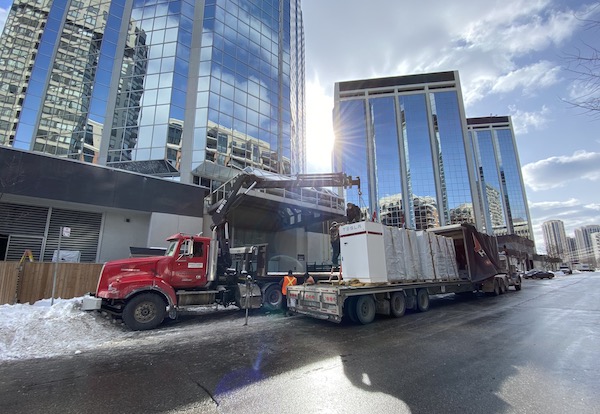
x=288 y=281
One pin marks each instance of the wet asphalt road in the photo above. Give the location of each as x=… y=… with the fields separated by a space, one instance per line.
x=533 y=351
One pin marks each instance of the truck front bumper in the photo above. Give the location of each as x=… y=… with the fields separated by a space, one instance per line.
x=91 y=303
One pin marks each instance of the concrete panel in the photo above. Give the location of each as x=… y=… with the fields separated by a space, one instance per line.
x=122 y=230
x=163 y=225
x=319 y=248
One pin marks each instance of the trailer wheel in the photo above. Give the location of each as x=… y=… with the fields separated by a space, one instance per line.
x=144 y=311
x=350 y=309
x=365 y=309
x=397 y=304
x=518 y=284
x=273 y=298
x=422 y=300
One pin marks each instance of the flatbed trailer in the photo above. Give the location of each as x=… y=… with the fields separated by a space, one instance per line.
x=361 y=303
x=391 y=270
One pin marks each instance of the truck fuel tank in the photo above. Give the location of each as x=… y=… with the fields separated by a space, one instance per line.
x=248 y=295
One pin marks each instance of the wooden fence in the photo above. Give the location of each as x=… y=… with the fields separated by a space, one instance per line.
x=32 y=281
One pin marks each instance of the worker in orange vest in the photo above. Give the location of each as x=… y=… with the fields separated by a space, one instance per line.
x=289 y=280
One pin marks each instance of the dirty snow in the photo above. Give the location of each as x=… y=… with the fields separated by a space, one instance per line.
x=41 y=331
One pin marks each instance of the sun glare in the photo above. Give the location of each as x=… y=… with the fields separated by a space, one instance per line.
x=319 y=128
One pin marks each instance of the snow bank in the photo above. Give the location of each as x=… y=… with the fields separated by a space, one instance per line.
x=41 y=330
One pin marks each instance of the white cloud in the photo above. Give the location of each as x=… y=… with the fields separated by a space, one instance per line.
x=528 y=78
x=490 y=43
x=557 y=172
x=555 y=205
x=523 y=120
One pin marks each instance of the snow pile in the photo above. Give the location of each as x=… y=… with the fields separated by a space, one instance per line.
x=41 y=330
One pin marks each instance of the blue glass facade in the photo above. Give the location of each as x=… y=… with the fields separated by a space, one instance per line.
x=410 y=147
x=171 y=88
x=500 y=180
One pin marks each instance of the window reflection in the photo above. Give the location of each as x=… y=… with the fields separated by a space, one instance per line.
x=387 y=159
x=454 y=179
x=351 y=147
x=420 y=173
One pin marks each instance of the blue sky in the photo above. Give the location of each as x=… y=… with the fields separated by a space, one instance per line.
x=511 y=56
x=511 y=59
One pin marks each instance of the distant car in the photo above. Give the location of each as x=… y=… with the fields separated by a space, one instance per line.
x=566 y=270
x=538 y=274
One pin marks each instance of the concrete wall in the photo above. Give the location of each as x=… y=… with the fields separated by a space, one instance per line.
x=121 y=231
x=163 y=225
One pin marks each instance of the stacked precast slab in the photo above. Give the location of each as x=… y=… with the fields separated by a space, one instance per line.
x=374 y=253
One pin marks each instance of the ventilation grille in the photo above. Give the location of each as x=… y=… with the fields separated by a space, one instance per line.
x=22 y=219
x=85 y=232
x=17 y=245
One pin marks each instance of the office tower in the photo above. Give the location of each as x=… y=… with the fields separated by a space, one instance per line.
x=555 y=239
x=177 y=89
x=498 y=176
x=583 y=241
x=406 y=138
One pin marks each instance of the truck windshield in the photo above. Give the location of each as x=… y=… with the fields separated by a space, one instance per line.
x=172 y=248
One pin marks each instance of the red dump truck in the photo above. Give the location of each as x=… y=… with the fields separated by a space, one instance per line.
x=388 y=270
x=198 y=270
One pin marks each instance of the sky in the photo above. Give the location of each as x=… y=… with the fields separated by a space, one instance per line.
x=512 y=58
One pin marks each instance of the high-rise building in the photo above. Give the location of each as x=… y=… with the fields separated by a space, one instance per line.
x=572 y=250
x=406 y=138
x=596 y=248
x=583 y=241
x=498 y=176
x=177 y=88
x=555 y=239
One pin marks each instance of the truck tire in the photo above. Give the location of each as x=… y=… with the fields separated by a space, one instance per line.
x=503 y=287
x=496 y=291
x=397 y=304
x=422 y=300
x=365 y=309
x=273 y=298
x=518 y=284
x=144 y=311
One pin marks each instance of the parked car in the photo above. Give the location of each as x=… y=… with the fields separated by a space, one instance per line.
x=538 y=274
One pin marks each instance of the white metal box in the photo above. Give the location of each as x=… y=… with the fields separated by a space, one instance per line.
x=362 y=252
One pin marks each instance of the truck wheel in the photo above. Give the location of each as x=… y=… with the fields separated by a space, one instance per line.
x=145 y=311
x=422 y=300
x=273 y=298
x=397 y=304
x=365 y=309
x=496 y=291
x=518 y=284
x=502 y=286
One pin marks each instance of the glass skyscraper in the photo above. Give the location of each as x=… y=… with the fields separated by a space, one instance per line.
x=499 y=178
x=406 y=137
x=177 y=88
